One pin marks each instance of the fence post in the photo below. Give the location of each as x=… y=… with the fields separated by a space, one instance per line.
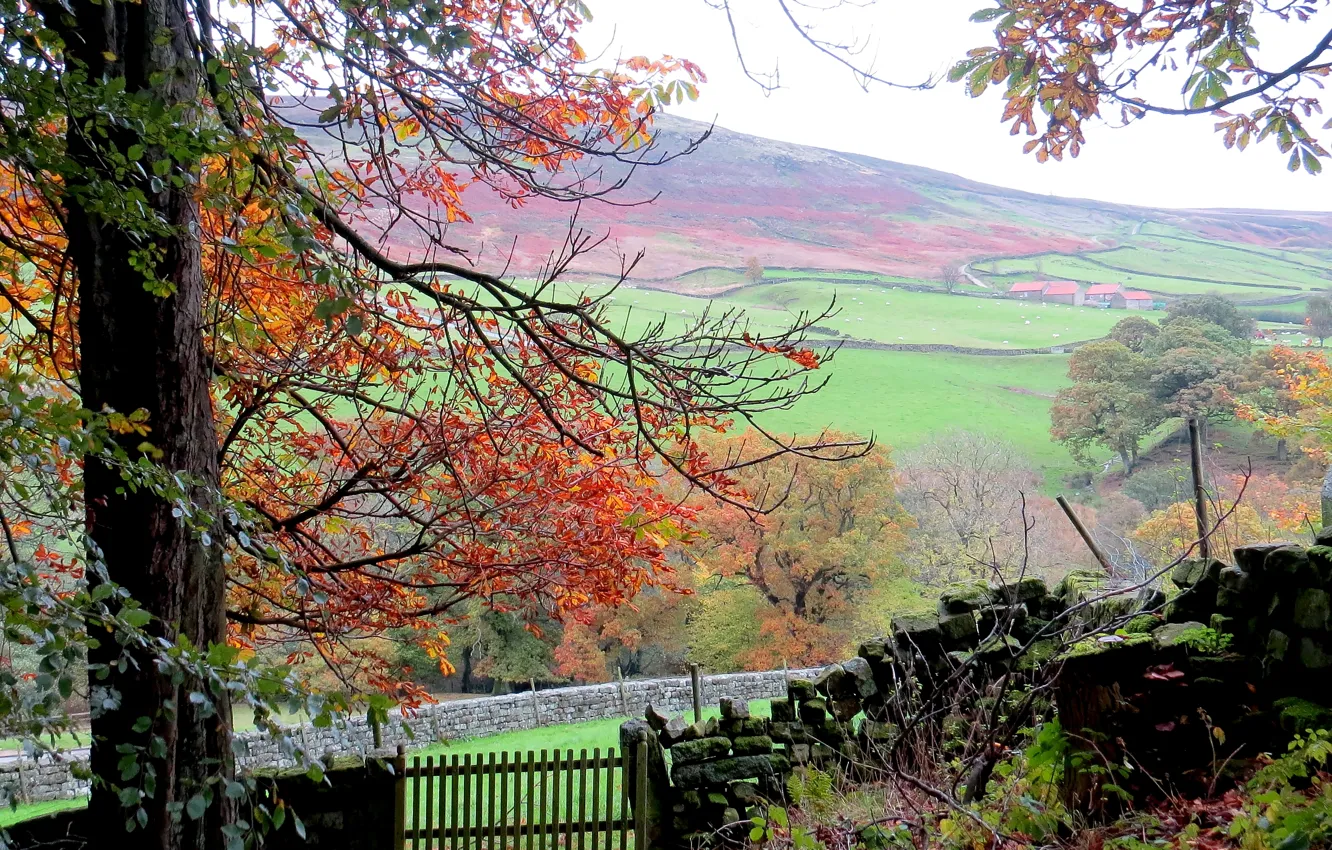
x=640 y=794
x=1199 y=493
x=624 y=698
x=376 y=733
x=536 y=707
x=696 y=680
x=400 y=798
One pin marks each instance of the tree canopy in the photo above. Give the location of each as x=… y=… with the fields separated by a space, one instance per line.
x=1063 y=63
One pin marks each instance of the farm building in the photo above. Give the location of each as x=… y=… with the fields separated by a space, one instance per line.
x=1131 y=301
x=1063 y=292
x=1057 y=292
x=1027 y=290
x=1103 y=293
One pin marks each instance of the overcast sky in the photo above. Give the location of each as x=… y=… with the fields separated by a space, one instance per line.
x=1165 y=162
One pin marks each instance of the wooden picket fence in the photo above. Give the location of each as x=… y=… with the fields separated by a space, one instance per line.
x=523 y=801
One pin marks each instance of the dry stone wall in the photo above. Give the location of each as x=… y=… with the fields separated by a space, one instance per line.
x=64 y=779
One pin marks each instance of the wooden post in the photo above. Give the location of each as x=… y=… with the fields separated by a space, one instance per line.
x=376 y=733
x=641 y=790
x=786 y=673
x=624 y=698
x=696 y=680
x=1086 y=535
x=1199 y=492
x=1327 y=498
x=536 y=708
x=400 y=798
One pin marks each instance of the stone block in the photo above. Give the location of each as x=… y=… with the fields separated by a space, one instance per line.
x=878 y=731
x=737 y=709
x=673 y=733
x=656 y=719
x=874 y=651
x=965 y=597
x=782 y=710
x=1234 y=578
x=1312 y=609
x=1196 y=571
x=1025 y=589
x=744 y=793
x=1230 y=601
x=737 y=727
x=752 y=745
x=846 y=708
x=1290 y=565
x=1007 y=617
x=689 y=752
x=799 y=753
x=1300 y=715
x=1314 y=654
x=861 y=676
x=1277 y=644
x=781 y=732
x=1321 y=559
x=722 y=772
x=917 y=630
x=1252 y=557
x=831 y=680
x=800 y=689
x=959 y=631
x=813 y=711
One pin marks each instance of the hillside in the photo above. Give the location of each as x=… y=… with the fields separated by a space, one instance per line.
x=739 y=196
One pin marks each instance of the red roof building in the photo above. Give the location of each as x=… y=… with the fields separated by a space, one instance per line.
x=1027 y=289
x=1132 y=301
x=1063 y=292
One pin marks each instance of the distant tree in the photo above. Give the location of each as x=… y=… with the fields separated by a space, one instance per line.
x=1134 y=332
x=829 y=532
x=1196 y=368
x=1110 y=403
x=1169 y=532
x=1196 y=333
x=1215 y=309
x=951 y=276
x=754 y=270
x=1040 y=268
x=1318 y=317
x=963 y=489
x=1264 y=391
x=509 y=651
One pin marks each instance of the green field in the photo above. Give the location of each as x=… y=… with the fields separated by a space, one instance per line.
x=906 y=398
x=875 y=313
x=1166 y=260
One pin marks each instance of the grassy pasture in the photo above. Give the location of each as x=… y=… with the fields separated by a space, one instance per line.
x=1164 y=259
x=905 y=398
x=878 y=313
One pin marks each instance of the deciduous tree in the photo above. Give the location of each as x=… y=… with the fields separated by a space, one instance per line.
x=829 y=531
x=274 y=389
x=1110 y=403
x=1318 y=317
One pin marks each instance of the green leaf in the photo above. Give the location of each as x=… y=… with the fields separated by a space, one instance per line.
x=196 y=807
x=136 y=617
x=143 y=724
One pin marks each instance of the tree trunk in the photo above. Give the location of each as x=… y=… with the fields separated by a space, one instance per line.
x=1127 y=460
x=141 y=351
x=1282 y=450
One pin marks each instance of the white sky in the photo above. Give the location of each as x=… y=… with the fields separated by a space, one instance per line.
x=1160 y=162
